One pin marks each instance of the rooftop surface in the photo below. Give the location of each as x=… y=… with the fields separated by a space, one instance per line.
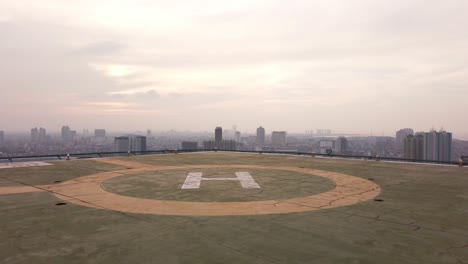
x=232 y=208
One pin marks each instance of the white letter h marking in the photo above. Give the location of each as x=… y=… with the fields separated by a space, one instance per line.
x=194 y=179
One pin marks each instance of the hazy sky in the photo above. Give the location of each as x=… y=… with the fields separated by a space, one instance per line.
x=352 y=66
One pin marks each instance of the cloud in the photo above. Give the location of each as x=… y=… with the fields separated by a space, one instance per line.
x=238 y=62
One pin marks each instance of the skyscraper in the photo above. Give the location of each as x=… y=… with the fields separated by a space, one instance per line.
x=278 y=138
x=218 y=134
x=260 y=136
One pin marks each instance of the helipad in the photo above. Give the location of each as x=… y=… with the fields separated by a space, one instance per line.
x=234 y=208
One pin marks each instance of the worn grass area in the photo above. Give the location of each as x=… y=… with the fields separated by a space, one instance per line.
x=59 y=171
x=423 y=218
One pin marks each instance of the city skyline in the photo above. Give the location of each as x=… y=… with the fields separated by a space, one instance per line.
x=144 y=131
x=352 y=67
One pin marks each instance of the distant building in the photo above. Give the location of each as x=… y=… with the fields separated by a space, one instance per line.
x=138 y=143
x=278 y=138
x=121 y=144
x=401 y=135
x=326 y=145
x=414 y=147
x=189 y=145
x=231 y=145
x=341 y=145
x=323 y=132
x=130 y=143
x=100 y=133
x=238 y=135
x=148 y=133
x=218 y=134
x=2 y=137
x=67 y=133
x=34 y=134
x=438 y=146
x=42 y=134
x=38 y=135
x=384 y=146
x=260 y=136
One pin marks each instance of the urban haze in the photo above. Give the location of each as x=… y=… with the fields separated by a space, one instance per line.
x=358 y=69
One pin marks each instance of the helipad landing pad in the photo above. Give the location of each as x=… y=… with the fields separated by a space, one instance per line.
x=88 y=191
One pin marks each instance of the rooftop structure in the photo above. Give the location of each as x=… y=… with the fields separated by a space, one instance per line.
x=234 y=207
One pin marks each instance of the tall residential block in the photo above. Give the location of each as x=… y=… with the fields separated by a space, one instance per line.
x=438 y=146
x=67 y=133
x=38 y=134
x=260 y=136
x=400 y=136
x=413 y=147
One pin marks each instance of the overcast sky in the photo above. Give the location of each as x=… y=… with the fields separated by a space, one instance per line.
x=351 y=66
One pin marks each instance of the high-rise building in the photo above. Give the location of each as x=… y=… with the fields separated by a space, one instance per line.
x=238 y=135
x=260 y=136
x=2 y=137
x=100 y=133
x=445 y=146
x=34 y=134
x=218 y=134
x=42 y=135
x=438 y=146
x=38 y=135
x=278 y=138
x=400 y=136
x=189 y=145
x=414 y=147
x=138 y=143
x=66 y=133
x=341 y=145
x=121 y=144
